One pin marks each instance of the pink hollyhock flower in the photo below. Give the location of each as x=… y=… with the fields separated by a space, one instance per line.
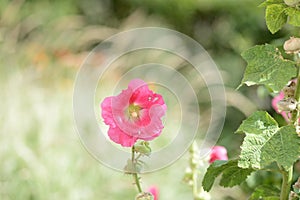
x=275 y=101
x=154 y=191
x=218 y=153
x=134 y=114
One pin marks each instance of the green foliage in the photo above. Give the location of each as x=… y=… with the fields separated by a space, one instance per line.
x=278 y=13
x=283 y=147
x=294 y=16
x=266 y=66
x=265 y=142
x=257 y=123
x=265 y=192
x=259 y=128
x=232 y=174
x=275 y=17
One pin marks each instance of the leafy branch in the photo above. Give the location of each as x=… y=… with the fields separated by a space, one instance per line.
x=265 y=142
x=279 y=12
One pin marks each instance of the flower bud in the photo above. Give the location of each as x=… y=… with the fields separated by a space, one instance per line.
x=286 y=105
x=144 y=196
x=292 y=45
x=289 y=90
x=293 y=196
x=298 y=130
x=218 y=153
x=188 y=176
x=296 y=186
x=292 y=2
x=143 y=147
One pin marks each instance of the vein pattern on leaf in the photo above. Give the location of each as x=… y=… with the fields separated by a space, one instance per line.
x=266 y=66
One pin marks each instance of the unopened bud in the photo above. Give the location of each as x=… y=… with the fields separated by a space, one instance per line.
x=286 y=105
x=289 y=90
x=292 y=45
x=298 y=130
x=296 y=186
x=143 y=147
x=188 y=176
x=144 y=196
x=293 y=196
x=292 y=3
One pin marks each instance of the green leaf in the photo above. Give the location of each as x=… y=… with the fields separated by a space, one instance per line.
x=266 y=66
x=275 y=17
x=232 y=174
x=265 y=142
x=213 y=171
x=265 y=192
x=258 y=122
x=294 y=16
x=270 y=2
x=259 y=127
x=283 y=147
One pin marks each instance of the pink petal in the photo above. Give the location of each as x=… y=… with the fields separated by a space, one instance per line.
x=275 y=100
x=125 y=130
x=107 y=112
x=119 y=137
x=142 y=95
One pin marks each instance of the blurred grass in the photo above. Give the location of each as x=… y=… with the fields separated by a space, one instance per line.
x=42 y=44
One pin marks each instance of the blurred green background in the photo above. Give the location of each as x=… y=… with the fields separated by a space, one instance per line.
x=42 y=45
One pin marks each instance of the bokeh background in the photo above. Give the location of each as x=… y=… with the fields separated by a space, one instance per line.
x=42 y=45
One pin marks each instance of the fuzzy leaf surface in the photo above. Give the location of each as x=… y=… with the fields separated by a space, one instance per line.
x=266 y=66
x=259 y=128
x=283 y=147
x=276 y=17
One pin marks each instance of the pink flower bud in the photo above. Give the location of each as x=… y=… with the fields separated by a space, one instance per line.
x=154 y=191
x=218 y=153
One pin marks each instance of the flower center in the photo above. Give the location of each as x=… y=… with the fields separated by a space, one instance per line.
x=134 y=111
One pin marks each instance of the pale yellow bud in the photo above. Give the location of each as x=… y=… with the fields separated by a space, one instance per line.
x=292 y=45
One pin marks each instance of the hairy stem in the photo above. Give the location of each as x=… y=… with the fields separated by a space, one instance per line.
x=287 y=177
x=134 y=173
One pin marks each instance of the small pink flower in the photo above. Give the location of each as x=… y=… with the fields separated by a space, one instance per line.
x=275 y=101
x=218 y=153
x=154 y=191
x=134 y=114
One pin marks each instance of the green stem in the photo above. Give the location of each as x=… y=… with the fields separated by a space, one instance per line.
x=135 y=174
x=287 y=177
